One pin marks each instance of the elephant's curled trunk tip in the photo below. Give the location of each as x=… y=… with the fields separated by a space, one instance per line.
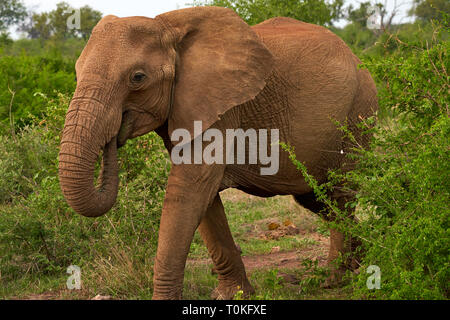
x=76 y=177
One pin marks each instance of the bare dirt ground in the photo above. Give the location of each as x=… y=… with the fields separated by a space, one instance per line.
x=291 y=259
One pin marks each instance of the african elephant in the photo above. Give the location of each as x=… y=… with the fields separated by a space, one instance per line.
x=206 y=64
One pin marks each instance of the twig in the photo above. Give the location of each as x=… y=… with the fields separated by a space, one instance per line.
x=11 y=121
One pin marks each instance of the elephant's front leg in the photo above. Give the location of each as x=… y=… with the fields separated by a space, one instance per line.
x=190 y=191
x=216 y=234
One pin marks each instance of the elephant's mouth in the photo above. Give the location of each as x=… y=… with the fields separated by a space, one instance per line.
x=126 y=129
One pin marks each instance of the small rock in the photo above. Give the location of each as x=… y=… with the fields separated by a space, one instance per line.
x=100 y=297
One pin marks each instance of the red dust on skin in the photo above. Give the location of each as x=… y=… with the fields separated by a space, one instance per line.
x=294 y=76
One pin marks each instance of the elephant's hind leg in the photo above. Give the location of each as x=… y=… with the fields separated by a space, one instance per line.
x=336 y=238
x=338 y=244
x=226 y=257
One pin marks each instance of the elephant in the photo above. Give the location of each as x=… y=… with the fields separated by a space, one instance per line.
x=138 y=74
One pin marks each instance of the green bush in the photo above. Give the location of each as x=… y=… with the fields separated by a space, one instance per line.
x=27 y=76
x=401 y=182
x=69 y=48
x=30 y=155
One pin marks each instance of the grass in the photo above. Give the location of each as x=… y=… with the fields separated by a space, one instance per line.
x=300 y=258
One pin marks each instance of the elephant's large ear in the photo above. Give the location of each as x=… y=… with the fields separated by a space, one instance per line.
x=221 y=63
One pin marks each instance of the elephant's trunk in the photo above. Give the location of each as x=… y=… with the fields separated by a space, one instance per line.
x=89 y=128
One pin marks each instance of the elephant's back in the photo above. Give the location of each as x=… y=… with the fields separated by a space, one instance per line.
x=319 y=75
x=284 y=26
x=288 y=30
x=316 y=66
x=296 y=40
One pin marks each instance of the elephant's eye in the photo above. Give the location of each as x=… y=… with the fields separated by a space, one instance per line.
x=138 y=77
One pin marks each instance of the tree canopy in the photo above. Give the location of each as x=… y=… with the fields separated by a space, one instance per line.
x=11 y=12
x=46 y=25
x=319 y=12
x=427 y=10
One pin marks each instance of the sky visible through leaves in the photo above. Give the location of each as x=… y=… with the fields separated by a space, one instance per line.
x=152 y=8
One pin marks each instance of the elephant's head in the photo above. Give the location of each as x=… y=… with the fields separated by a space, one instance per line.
x=135 y=74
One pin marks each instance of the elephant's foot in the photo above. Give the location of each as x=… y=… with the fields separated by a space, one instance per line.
x=164 y=289
x=226 y=290
x=342 y=257
x=166 y=297
x=337 y=273
x=334 y=280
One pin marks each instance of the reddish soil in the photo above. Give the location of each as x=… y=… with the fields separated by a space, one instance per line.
x=291 y=259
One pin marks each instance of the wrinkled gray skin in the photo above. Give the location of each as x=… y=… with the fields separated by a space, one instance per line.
x=139 y=74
